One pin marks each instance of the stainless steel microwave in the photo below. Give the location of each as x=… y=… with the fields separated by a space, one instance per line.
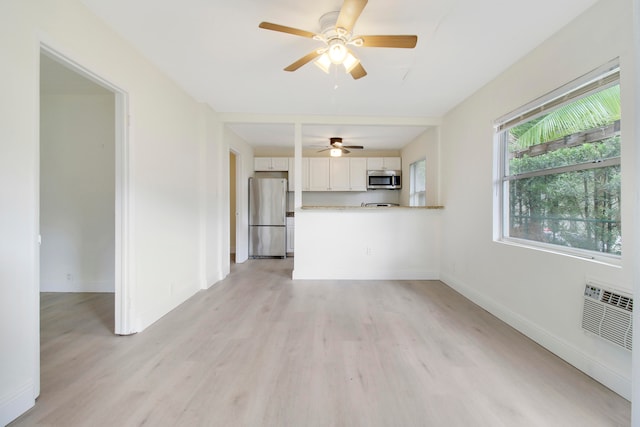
x=384 y=179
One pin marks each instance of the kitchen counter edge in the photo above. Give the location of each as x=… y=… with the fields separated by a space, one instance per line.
x=368 y=208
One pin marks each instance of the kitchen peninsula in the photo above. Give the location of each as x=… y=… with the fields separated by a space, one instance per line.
x=368 y=243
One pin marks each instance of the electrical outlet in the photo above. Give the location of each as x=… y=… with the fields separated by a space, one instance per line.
x=69 y=277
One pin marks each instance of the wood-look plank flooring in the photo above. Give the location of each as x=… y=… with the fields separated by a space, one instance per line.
x=259 y=349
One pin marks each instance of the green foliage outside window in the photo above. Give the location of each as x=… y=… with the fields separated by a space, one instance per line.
x=592 y=152
x=578 y=206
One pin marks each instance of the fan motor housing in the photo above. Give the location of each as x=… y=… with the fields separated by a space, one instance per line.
x=328 y=21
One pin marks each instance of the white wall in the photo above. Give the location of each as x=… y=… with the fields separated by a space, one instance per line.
x=170 y=145
x=538 y=292
x=77 y=192
x=215 y=211
x=425 y=146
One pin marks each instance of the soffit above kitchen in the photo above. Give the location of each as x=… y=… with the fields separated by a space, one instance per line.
x=216 y=52
x=314 y=136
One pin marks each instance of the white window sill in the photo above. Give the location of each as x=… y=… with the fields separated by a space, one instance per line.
x=597 y=257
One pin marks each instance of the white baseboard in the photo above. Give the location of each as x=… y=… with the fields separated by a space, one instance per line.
x=164 y=305
x=77 y=286
x=572 y=355
x=16 y=404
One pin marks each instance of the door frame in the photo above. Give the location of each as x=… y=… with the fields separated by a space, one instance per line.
x=241 y=211
x=233 y=217
x=124 y=307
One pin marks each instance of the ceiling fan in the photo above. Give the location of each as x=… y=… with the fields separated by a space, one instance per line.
x=337 y=148
x=336 y=35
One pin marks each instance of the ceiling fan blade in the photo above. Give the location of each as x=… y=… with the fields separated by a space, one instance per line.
x=326 y=149
x=349 y=13
x=353 y=147
x=304 y=60
x=358 y=72
x=389 y=41
x=288 y=30
x=344 y=150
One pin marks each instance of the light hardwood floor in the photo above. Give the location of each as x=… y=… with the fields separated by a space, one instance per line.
x=261 y=350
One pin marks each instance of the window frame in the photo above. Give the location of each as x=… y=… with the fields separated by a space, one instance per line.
x=597 y=80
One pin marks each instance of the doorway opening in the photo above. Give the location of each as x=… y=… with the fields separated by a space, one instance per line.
x=83 y=189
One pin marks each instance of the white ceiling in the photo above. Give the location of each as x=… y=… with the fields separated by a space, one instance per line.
x=216 y=52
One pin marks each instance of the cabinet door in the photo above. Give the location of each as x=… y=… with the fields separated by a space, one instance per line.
x=262 y=163
x=375 y=163
x=305 y=174
x=290 y=235
x=339 y=174
x=280 y=164
x=358 y=174
x=392 y=163
x=318 y=174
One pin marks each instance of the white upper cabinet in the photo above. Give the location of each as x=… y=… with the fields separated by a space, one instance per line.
x=280 y=163
x=339 y=174
x=336 y=173
x=348 y=174
x=271 y=164
x=384 y=163
x=319 y=174
x=358 y=174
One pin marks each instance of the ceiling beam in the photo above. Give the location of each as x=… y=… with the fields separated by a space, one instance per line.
x=329 y=120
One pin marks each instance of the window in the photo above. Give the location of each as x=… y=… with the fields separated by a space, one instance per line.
x=560 y=168
x=418 y=183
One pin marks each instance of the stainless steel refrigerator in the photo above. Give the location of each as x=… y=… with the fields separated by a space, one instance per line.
x=267 y=217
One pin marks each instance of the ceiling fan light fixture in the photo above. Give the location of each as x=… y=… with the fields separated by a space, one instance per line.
x=335 y=35
x=337 y=51
x=336 y=152
x=323 y=62
x=350 y=62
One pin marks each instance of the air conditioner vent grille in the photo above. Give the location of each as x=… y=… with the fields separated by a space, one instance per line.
x=608 y=314
x=616 y=300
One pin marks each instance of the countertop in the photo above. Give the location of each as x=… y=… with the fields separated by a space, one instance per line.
x=368 y=207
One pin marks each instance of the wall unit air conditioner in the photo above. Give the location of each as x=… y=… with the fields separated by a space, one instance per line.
x=608 y=314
